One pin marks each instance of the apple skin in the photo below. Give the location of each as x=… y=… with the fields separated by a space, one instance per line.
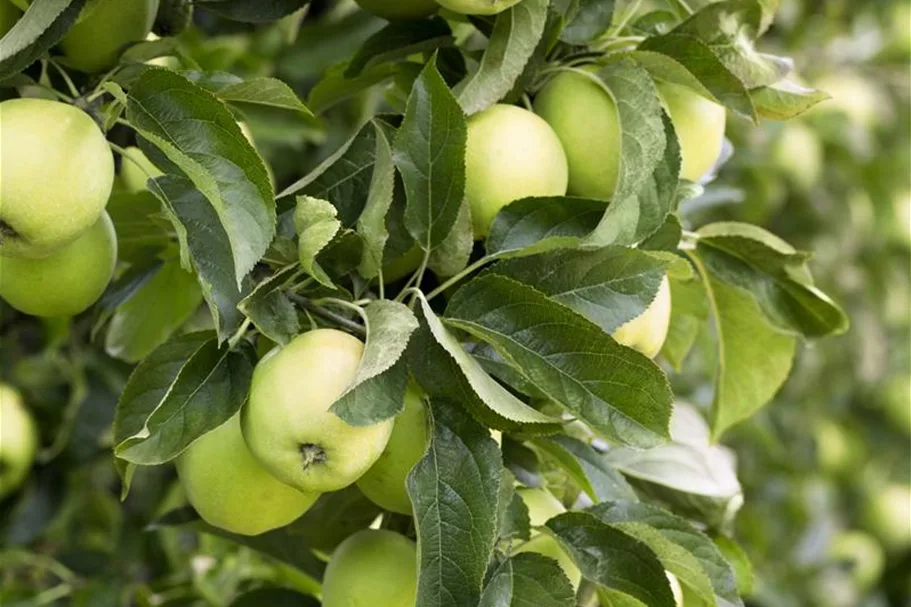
x=543 y=506
x=541 y=503
x=287 y=422
x=584 y=117
x=230 y=490
x=399 y=10
x=9 y=15
x=511 y=153
x=699 y=124
x=374 y=568
x=132 y=176
x=477 y=7
x=887 y=514
x=18 y=440
x=96 y=41
x=384 y=483
x=545 y=545
x=798 y=153
x=66 y=283
x=648 y=331
x=56 y=173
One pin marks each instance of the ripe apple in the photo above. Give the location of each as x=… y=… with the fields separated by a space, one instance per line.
x=230 y=490
x=648 y=331
x=56 y=172
x=860 y=553
x=511 y=153
x=384 y=482
x=477 y=7
x=888 y=515
x=584 y=116
x=18 y=440
x=699 y=124
x=372 y=567
x=104 y=29
x=9 y=15
x=287 y=422
x=67 y=282
x=399 y=10
x=542 y=506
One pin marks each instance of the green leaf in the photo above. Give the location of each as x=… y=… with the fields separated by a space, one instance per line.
x=730 y=29
x=316 y=224
x=152 y=313
x=371 y=225
x=528 y=579
x=398 y=40
x=612 y=558
x=142 y=229
x=588 y=468
x=429 y=152
x=333 y=518
x=274 y=597
x=609 y=286
x=378 y=390
x=207 y=245
x=452 y=256
x=619 y=392
x=689 y=313
x=183 y=389
x=252 y=11
x=785 y=100
x=710 y=565
x=198 y=133
x=679 y=58
x=455 y=489
x=515 y=36
x=531 y=225
x=344 y=179
x=40 y=28
x=754 y=358
x=445 y=370
x=748 y=257
x=737 y=558
x=270 y=310
x=587 y=19
x=335 y=87
x=269 y=92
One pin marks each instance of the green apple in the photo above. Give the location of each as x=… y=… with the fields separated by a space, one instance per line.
x=374 y=568
x=399 y=10
x=477 y=7
x=18 y=440
x=541 y=503
x=9 y=15
x=860 y=553
x=699 y=124
x=403 y=265
x=287 y=422
x=895 y=399
x=384 y=482
x=837 y=449
x=648 y=331
x=585 y=118
x=230 y=490
x=888 y=515
x=854 y=96
x=96 y=41
x=798 y=153
x=56 y=172
x=511 y=153
x=136 y=169
x=67 y=282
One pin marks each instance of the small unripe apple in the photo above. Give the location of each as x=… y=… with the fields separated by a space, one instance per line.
x=648 y=331
x=18 y=440
x=373 y=567
x=9 y=15
x=511 y=153
x=67 y=282
x=477 y=7
x=861 y=554
x=798 y=153
x=56 y=172
x=230 y=490
x=399 y=10
x=584 y=117
x=104 y=29
x=384 y=482
x=699 y=124
x=888 y=515
x=857 y=97
x=287 y=422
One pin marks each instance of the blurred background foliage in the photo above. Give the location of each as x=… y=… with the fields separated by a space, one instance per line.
x=817 y=465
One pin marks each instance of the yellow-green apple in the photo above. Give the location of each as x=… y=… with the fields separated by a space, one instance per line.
x=18 y=440
x=477 y=7
x=104 y=29
x=699 y=124
x=648 y=331
x=399 y=10
x=372 y=567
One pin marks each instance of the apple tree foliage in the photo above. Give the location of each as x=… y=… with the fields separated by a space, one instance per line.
x=511 y=334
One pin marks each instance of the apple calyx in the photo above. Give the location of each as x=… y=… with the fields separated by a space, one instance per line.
x=312 y=455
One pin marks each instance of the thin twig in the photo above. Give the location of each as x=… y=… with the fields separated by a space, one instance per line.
x=329 y=315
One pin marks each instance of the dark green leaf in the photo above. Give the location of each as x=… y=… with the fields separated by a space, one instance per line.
x=398 y=40
x=371 y=225
x=588 y=468
x=587 y=20
x=316 y=225
x=252 y=11
x=530 y=225
x=528 y=579
x=270 y=310
x=40 y=28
